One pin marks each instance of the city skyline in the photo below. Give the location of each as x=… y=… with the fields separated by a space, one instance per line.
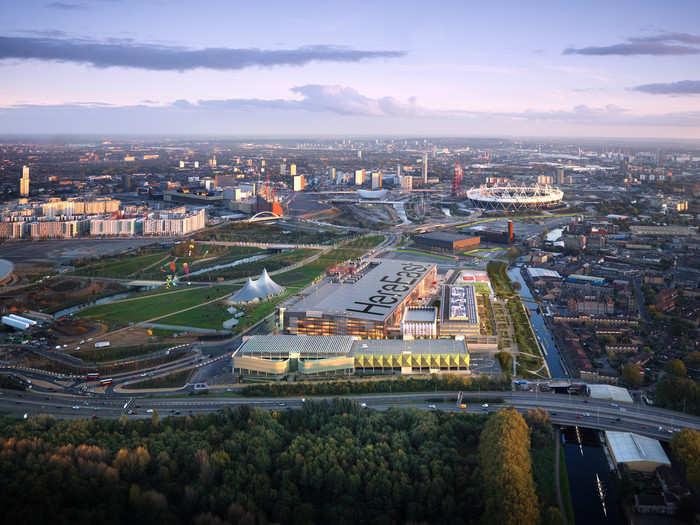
x=465 y=70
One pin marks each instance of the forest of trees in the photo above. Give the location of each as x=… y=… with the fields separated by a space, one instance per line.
x=330 y=462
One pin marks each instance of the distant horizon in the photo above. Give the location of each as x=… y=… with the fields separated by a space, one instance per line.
x=584 y=69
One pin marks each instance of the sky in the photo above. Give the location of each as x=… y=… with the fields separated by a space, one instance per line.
x=443 y=68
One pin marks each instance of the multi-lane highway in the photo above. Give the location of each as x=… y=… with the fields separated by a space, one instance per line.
x=564 y=410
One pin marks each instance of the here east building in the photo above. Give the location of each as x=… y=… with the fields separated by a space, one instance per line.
x=368 y=303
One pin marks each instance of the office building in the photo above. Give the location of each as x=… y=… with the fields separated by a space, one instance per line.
x=419 y=322
x=309 y=356
x=293 y=170
x=359 y=177
x=299 y=183
x=447 y=241
x=196 y=164
x=368 y=303
x=460 y=315
x=376 y=180
x=24 y=182
x=425 y=168
x=560 y=175
x=283 y=169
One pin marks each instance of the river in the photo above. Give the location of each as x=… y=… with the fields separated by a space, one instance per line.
x=540 y=328
x=583 y=463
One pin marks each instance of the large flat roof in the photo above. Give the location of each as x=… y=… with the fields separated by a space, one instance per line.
x=374 y=295
x=613 y=393
x=416 y=346
x=632 y=448
x=303 y=344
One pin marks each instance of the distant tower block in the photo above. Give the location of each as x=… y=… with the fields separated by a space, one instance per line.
x=196 y=164
x=24 y=182
x=425 y=168
x=457 y=179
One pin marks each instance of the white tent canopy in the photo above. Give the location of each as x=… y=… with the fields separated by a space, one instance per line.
x=258 y=290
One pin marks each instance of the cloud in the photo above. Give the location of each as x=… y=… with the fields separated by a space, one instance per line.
x=65 y=6
x=338 y=106
x=682 y=87
x=673 y=44
x=126 y=53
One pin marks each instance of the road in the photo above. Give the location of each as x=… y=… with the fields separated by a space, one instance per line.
x=565 y=411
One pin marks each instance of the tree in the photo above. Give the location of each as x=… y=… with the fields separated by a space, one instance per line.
x=686 y=446
x=506 y=469
x=676 y=368
x=154 y=417
x=692 y=360
x=631 y=375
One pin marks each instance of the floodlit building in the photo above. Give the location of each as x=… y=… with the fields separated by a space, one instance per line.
x=460 y=315
x=24 y=182
x=278 y=356
x=299 y=183
x=419 y=322
x=359 y=177
x=368 y=303
x=640 y=453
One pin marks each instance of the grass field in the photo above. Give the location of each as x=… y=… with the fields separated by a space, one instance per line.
x=246 y=232
x=121 y=313
x=426 y=254
x=101 y=355
x=253 y=269
x=174 y=380
x=213 y=315
x=121 y=266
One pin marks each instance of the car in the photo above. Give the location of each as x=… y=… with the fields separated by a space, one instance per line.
x=614 y=405
x=363 y=405
x=281 y=404
x=432 y=407
x=644 y=427
x=553 y=413
x=579 y=416
x=587 y=414
x=661 y=429
x=76 y=407
x=131 y=412
x=485 y=405
x=149 y=411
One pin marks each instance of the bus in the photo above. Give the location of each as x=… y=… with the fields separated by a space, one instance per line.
x=92 y=376
x=106 y=382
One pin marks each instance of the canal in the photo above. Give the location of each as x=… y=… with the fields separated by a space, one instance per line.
x=546 y=340
x=585 y=464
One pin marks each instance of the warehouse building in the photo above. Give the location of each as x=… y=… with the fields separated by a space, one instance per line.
x=369 y=304
x=446 y=241
x=639 y=453
x=460 y=315
x=314 y=356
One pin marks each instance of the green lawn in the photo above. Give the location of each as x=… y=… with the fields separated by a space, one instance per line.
x=101 y=355
x=174 y=380
x=427 y=254
x=120 y=266
x=253 y=269
x=213 y=315
x=121 y=313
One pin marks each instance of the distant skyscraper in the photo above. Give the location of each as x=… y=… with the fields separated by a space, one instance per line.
x=24 y=182
x=299 y=183
x=293 y=170
x=398 y=171
x=359 y=154
x=560 y=175
x=212 y=162
x=359 y=177
x=182 y=163
x=376 y=180
x=196 y=164
x=283 y=169
x=425 y=168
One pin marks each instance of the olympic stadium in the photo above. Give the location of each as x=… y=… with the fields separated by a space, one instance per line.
x=515 y=197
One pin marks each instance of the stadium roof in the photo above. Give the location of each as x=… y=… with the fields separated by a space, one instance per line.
x=633 y=448
x=543 y=272
x=303 y=344
x=373 y=295
x=416 y=346
x=610 y=392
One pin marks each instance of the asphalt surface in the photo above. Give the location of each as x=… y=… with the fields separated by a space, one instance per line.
x=563 y=410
